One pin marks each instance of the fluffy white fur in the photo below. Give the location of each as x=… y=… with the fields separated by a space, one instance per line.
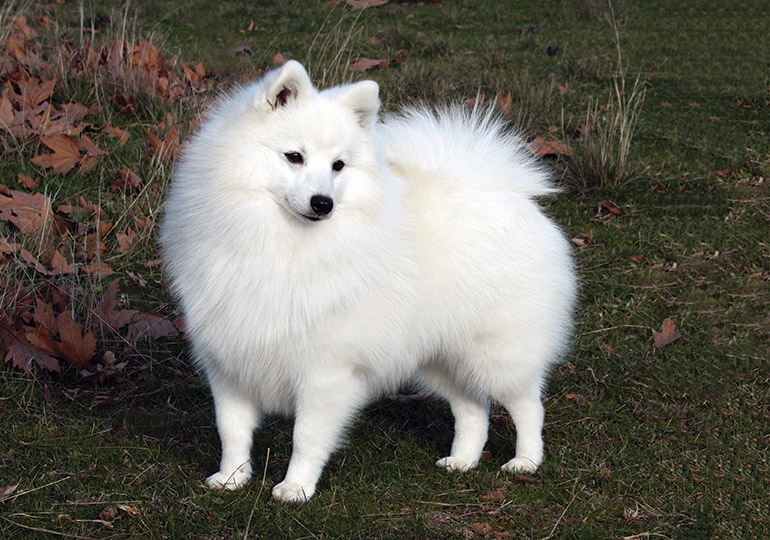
x=435 y=265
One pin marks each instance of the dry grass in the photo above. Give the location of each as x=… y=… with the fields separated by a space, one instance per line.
x=603 y=148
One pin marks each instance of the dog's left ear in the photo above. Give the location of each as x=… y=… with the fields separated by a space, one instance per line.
x=284 y=85
x=363 y=98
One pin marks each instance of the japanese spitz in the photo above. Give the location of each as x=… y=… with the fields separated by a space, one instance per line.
x=323 y=256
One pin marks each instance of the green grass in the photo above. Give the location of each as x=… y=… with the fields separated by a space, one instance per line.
x=641 y=442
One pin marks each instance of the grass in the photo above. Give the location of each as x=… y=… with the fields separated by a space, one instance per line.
x=641 y=442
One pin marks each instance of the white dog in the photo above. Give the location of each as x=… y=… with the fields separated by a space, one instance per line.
x=323 y=258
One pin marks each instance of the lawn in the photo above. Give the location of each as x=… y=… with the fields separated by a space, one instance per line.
x=642 y=441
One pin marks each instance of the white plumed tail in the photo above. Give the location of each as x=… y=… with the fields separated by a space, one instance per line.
x=472 y=144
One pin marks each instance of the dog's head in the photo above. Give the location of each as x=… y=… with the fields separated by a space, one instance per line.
x=316 y=145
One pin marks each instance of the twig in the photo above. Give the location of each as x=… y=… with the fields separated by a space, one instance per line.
x=550 y=534
x=48 y=531
x=11 y=497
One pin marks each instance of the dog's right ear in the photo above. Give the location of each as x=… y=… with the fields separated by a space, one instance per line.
x=284 y=85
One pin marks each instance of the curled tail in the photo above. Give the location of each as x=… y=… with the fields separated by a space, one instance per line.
x=473 y=145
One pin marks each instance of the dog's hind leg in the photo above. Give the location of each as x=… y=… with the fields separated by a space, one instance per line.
x=237 y=417
x=528 y=416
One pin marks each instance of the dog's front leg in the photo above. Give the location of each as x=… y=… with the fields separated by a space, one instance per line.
x=325 y=407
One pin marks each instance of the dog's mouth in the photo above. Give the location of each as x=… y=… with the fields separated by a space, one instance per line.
x=313 y=218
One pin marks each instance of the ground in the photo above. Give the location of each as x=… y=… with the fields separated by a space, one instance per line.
x=642 y=440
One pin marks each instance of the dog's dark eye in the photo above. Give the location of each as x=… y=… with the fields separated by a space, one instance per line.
x=338 y=165
x=294 y=157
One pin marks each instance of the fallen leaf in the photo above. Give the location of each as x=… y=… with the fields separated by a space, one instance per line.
x=481 y=528
x=28 y=212
x=127 y=182
x=126 y=104
x=77 y=345
x=24 y=356
x=27 y=181
x=151 y=325
x=164 y=148
x=496 y=495
x=92 y=156
x=610 y=207
x=110 y=512
x=667 y=335
x=244 y=47
x=131 y=510
x=279 y=60
x=32 y=92
x=365 y=64
x=125 y=240
x=60 y=266
x=107 y=316
x=541 y=148
x=98 y=268
x=524 y=479
x=117 y=133
x=66 y=154
x=8 y=490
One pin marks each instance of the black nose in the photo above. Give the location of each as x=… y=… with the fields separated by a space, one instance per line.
x=321 y=204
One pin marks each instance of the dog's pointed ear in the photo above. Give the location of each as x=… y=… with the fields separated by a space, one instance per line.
x=284 y=85
x=363 y=98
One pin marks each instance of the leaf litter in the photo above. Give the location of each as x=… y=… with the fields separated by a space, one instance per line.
x=52 y=328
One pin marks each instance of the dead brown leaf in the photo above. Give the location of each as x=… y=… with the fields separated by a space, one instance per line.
x=365 y=64
x=279 y=59
x=496 y=495
x=7 y=490
x=127 y=182
x=27 y=181
x=117 y=133
x=668 y=333
x=164 y=148
x=542 y=148
x=77 y=346
x=25 y=356
x=28 y=212
x=610 y=207
x=66 y=154
x=151 y=325
x=481 y=528
x=106 y=315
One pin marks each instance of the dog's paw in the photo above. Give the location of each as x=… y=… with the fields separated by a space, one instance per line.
x=456 y=464
x=520 y=465
x=234 y=480
x=294 y=493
